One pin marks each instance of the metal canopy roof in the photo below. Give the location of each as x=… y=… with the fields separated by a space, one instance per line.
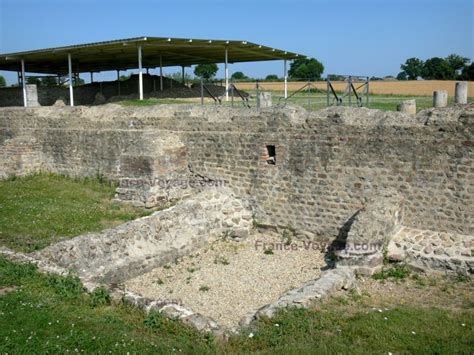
x=122 y=54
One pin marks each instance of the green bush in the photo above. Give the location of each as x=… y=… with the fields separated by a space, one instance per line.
x=154 y=320
x=100 y=297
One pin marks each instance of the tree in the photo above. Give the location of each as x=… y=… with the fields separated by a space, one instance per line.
x=49 y=81
x=468 y=72
x=306 y=69
x=238 y=75
x=456 y=62
x=32 y=80
x=335 y=77
x=271 y=77
x=206 y=71
x=402 y=76
x=437 y=69
x=3 y=82
x=413 y=68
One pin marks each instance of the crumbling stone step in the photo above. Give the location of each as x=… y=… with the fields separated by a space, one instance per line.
x=431 y=250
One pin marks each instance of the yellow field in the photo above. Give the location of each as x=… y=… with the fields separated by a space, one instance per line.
x=410 y=88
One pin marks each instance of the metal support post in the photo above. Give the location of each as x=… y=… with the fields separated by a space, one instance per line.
x=71 y=91
x=226 y=70
x=140 y=73
x=23 y=83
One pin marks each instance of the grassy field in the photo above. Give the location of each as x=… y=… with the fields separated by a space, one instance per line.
x=51 y=314
x=41 y=209
x=309 y=100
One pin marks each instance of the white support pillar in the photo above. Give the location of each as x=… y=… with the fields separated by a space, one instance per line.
x=285 y=73
x=71 y=93
x=140 y=72
x=161 y=73
x=226 y=69
x=23 y=83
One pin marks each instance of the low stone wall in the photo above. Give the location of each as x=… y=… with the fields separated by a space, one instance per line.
x=131 y=249
x=428 y=250
x=327 y=163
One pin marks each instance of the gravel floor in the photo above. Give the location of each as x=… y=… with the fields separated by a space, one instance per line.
x=228 y=279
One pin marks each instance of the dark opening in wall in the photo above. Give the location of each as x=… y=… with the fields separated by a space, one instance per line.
x=271 y=153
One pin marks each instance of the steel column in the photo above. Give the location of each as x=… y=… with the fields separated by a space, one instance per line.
x=140 y=72
x=285 y=73
x=226 y=74
x=23 y=83
x=71 y=91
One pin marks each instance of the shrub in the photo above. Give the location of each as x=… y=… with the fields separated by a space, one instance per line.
x=154 y=320
x=100 y=297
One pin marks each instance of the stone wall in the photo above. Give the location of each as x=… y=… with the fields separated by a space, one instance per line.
x=133 y=248
x=327 y=163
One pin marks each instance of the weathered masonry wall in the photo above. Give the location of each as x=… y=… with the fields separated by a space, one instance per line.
x=327 y=163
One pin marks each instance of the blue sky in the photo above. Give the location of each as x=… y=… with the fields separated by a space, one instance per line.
x=363 y=37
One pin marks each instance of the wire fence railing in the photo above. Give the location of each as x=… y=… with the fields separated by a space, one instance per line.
x=312 y=95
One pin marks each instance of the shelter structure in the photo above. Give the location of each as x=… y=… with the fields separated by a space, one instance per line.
x=139 y=52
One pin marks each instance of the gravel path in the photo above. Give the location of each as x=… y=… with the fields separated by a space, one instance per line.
x=228 y=279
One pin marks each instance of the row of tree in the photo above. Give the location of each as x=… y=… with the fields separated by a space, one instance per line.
x=453 y=67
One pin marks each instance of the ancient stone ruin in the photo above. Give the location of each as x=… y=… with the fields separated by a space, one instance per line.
x=365 y=184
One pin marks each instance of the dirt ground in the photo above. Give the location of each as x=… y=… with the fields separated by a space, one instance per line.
x=228 y=279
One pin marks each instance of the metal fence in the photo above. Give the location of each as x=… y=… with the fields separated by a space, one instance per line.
x=312 y=95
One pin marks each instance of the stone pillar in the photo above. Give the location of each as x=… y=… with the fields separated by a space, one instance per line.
x=264 y=99
x=460 y=95
x=32 y=95
x=440 y=98
x=407 y=106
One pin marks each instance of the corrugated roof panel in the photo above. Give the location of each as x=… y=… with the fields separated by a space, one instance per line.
x=122 y=54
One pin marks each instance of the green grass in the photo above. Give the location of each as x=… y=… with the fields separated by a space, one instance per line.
x=51 y=314
x=44 y=316
x=329 y=330
x=398 y=272
x=315 y=101
x=40 y=209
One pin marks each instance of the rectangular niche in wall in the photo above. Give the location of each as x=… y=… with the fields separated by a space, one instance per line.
x=271 y=154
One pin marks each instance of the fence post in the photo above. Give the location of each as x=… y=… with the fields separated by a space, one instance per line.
x=327 y=92
x=309 y=94
x=367 y=92
x=232 y=93
x=202 y=92
x=349 y=81
x=257 y=88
